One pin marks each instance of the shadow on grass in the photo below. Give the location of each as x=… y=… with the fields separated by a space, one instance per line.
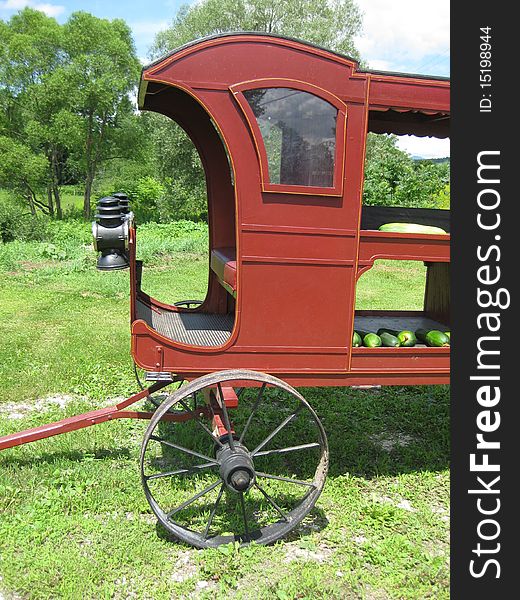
x=65 y=455
x=375 y=432
x=385 y=431
x=371 y=432
x=315 y=521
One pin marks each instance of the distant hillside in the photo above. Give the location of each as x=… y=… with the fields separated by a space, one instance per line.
x=446 y=159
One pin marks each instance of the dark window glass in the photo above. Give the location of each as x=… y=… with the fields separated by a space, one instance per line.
x=299 y=133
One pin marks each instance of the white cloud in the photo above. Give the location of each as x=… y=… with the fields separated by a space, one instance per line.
x=426 y=147
x=51 y=10
x=405 y=33
x=144 y=33
x=148 y=28
x=13 y=4
x=381 y=65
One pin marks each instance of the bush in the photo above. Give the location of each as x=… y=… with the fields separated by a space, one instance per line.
x=73 y=231
x=155 y=241
x=182 y=200
x=144 y=194
x=17 y=223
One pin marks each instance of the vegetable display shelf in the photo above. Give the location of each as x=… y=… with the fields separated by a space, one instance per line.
x=419 y=358
x=375 y=245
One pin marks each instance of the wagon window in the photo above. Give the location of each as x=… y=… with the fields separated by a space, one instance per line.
x=299 y=133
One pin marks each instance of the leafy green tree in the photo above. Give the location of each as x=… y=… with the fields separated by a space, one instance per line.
x=393 y=178
x=102 y=71
x=22 y=171
x=179 y=168
x=442 y=198
x=329 y=23
x=29 y=58
x=65 y=91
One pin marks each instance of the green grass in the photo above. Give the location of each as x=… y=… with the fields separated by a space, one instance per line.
x=74 y=522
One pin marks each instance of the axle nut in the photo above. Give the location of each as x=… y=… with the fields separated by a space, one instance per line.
x=240 y=480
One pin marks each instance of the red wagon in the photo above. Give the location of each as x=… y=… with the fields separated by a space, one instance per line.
x=281 y=127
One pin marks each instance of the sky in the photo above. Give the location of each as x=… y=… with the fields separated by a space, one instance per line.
x=409 y=36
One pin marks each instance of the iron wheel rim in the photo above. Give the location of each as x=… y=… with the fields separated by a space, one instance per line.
x=261 y=535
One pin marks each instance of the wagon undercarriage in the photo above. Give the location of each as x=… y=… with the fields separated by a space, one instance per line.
x=250 y=452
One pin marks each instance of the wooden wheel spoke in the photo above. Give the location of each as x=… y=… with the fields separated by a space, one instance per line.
x=181 y=448
x=285 y=422
x=253 y=411
x=288 y=449
x=193 y=498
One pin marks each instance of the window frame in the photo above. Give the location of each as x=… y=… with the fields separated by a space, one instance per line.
x=341 y=121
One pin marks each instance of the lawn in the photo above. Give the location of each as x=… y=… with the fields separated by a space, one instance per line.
x=74 y=522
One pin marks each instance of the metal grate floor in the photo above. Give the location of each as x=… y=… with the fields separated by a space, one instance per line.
x=194 y=328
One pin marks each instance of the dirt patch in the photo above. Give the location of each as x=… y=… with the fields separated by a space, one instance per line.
x=359 y=539
x=18 y=410
x=185 y=568
x=444 y=514
x=371 y=593
x=390 y=441
x=401 y=503
x=320 y=554
x=6 y=595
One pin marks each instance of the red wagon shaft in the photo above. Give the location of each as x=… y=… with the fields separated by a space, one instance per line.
x=211 y=411
x=81 y=421
x=281 y=127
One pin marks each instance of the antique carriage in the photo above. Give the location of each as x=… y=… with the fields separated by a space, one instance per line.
x=281 y=127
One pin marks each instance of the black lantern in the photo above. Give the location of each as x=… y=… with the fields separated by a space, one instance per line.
x=111 y=232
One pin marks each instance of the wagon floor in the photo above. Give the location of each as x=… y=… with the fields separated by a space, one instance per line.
x=194 y=328
x=401 y=322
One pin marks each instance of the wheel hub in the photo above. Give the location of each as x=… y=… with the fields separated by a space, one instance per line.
x=236 y=467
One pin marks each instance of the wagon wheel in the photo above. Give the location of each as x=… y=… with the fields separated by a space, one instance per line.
x=209 y=487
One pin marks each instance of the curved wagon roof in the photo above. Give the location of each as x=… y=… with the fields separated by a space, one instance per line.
x=399 y=103
x=290 y=39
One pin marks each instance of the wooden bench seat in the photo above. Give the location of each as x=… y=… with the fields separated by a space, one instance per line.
x=224 y=264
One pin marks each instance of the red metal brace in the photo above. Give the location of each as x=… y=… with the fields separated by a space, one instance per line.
x=90 y=418
x=230 y=400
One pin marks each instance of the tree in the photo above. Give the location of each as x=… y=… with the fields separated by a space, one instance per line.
x=393 y=178
x=30 y=56
x=102 y=71
x=65 y=93
x=329 y=23
x=22 y=171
